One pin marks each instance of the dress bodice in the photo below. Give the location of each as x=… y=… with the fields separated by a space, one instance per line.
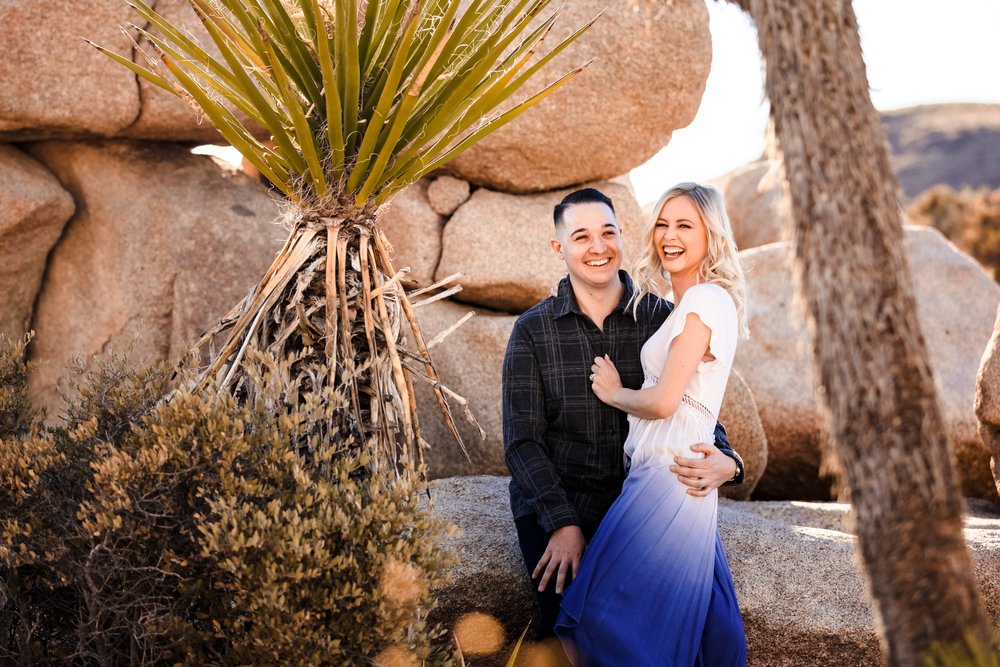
x=657 y=440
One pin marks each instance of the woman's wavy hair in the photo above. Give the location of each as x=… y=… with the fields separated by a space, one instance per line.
x=721 y=265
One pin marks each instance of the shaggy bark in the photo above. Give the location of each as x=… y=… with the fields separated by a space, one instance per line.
x=888 y=436
x=332 y=300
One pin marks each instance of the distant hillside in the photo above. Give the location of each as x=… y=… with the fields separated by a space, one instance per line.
x=955 y=144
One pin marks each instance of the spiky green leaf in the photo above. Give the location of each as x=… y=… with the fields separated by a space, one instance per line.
x=358 y=103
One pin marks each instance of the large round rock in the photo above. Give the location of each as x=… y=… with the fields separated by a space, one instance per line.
x=753 y=195
x=54 y=83
x=500 y=244
x=776 y=365
x=469 y=362
x=803 y=598
x=34 y=208
x=162 y=245
x=956 y=305
x=746 y=434
x=651 y=60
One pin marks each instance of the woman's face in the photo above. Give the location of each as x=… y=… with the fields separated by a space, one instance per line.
x=680 y=238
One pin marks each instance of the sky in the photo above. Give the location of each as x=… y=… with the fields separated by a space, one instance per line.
x=916 y=52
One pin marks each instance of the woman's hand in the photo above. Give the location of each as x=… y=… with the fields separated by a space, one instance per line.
x=604 y=379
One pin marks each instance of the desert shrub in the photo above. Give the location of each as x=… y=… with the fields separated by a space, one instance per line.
x=968 y=653
x=17 y=415
x=969 y=218
x=148 y=530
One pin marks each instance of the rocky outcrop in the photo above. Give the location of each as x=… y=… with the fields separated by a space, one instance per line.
x=500 y=244
x=468 y=362
x=75 y=91
x=34 y=208
x=414 y=230
x=775 y=363
x=746 y=434
x=956 y=303
x=988 y=400
x=954 y=144
x=54 y=83
x=134 y=262
x=614 y=116
x=754 y=203
x=802 y=596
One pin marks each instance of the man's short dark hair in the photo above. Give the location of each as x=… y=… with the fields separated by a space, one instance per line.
x=584 y=196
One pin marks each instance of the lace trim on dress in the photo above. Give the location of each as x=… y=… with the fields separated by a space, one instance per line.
x=698 y=408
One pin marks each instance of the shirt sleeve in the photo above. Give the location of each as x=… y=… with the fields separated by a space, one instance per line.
x=524 y=427
x=722 y=443
x=716 y=310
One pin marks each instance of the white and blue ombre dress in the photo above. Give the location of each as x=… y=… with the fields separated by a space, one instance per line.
x=654 y=587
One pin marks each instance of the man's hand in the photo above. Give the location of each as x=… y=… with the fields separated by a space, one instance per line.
x=703 y=475
x=563 y=554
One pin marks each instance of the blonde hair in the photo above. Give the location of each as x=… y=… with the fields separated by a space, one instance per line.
x=721 y=264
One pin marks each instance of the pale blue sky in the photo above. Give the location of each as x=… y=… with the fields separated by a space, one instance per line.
x=916 y=51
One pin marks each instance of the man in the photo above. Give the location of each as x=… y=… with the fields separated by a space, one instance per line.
x=564 y=446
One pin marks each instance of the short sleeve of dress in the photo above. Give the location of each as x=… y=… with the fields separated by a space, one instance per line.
x=716 y=309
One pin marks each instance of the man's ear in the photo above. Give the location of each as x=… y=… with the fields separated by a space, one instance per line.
x=556 y=248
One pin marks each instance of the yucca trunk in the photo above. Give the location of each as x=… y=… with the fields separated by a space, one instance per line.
x=333 y=304
x=886 y=427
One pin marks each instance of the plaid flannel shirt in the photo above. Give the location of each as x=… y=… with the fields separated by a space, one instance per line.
x=562 y=445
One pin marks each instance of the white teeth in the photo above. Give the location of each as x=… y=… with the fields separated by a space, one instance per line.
x=672 y=250
x=598 y=262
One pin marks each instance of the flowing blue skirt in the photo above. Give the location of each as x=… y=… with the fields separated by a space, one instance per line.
x=654 y=587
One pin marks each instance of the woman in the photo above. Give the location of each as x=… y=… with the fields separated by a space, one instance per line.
x=654 y=587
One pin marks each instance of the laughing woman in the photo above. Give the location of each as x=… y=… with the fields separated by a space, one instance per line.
x=654 y=587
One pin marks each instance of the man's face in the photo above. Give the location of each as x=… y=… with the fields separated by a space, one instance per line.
x=590 y=242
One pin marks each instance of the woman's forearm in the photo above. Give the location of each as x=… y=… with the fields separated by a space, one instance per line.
x=649 y=403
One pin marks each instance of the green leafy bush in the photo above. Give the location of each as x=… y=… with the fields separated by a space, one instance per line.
x=148 y=530
x=969 y=218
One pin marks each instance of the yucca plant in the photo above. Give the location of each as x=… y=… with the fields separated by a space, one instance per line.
x=360 y=100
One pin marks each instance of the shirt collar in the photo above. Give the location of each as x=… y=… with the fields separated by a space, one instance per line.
x=566 y=303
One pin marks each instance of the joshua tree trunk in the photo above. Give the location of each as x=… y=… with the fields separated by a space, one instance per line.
x=888 y=436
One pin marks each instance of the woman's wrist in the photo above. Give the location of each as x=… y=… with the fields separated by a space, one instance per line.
x=618 y=399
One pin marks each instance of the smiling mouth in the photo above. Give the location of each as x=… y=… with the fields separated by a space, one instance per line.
x=598 y=262
x=672 y=252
